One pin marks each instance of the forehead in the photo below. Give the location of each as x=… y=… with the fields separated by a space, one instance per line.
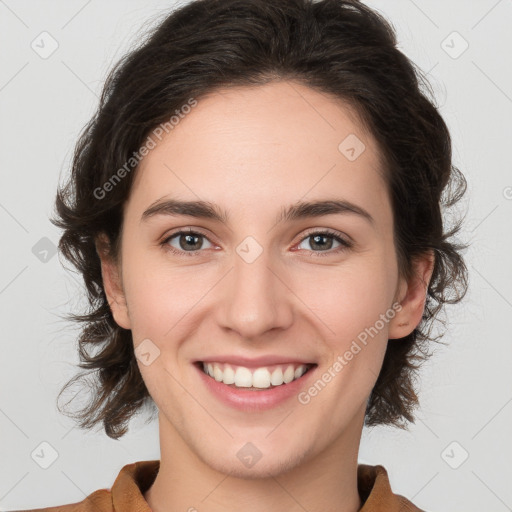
x=262 y=146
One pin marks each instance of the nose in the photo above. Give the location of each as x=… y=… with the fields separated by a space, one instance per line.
x=255 y=298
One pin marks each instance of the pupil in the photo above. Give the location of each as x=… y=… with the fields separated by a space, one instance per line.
x=188 y=238
x=317 y=237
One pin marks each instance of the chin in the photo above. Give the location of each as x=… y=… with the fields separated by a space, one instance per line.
x=263 y=465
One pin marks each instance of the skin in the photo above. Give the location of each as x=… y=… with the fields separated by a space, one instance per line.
x=254 y=151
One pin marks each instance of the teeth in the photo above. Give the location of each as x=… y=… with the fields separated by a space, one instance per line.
x=243 y=377
x=261 y=378
x=217 y=373
x=228 y=375
x=289 y=374
x=277 y=377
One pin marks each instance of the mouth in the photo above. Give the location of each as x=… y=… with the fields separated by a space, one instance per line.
x=255 y=379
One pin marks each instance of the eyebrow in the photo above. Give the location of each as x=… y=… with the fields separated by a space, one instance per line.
x=300 y=210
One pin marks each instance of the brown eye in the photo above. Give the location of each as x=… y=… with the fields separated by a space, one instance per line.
x=322 y=242
x=185 y=242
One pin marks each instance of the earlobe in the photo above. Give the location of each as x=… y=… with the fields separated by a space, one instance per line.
x=112 y=283
x=413 y=299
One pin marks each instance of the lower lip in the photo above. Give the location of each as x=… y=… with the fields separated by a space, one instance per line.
x=247 y=400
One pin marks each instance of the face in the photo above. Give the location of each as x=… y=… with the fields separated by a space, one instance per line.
x=259 y=288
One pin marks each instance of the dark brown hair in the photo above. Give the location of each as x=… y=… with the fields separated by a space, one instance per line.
x=339 y=47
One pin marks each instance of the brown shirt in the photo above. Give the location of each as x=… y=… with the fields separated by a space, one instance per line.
x=135 y=479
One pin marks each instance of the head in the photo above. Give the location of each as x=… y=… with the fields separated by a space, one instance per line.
x=254 y=108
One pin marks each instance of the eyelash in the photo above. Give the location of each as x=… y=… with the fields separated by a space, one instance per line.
x=345 y=244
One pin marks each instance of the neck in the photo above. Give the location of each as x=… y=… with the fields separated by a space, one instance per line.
x=326 y=481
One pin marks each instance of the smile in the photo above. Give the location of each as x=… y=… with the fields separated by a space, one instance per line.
x=258 y=378
x=256 y=389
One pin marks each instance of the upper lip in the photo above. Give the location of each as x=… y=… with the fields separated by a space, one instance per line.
x=254 y=362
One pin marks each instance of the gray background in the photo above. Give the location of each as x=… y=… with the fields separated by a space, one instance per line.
x=466 y=391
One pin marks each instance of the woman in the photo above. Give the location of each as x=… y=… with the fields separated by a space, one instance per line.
x=256 y=209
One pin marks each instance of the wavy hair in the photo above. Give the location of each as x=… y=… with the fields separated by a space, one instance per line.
x=339 y=47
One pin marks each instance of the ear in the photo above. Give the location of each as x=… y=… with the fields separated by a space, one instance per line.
x=412 y=296
x=112 y=282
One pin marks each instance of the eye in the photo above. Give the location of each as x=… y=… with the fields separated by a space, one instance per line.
x=189 y=242
x=324 y=241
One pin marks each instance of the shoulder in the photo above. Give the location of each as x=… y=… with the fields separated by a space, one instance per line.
x=376 y=493
x=126 y=492
x=407 y=506
x=98 y=501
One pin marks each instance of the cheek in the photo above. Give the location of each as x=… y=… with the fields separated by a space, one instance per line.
x=161 y=296
x=353 y=306
x=148 y=293
x=350 y=297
